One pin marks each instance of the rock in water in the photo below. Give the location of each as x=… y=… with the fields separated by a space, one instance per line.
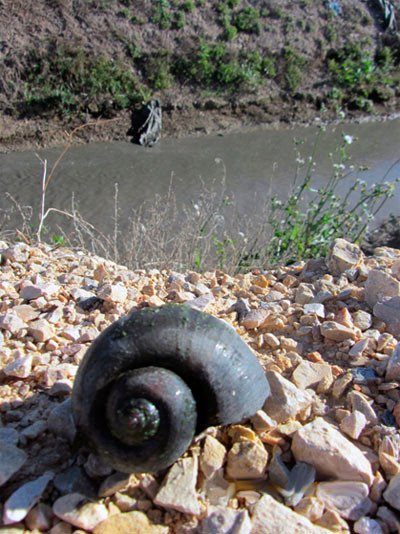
x=146 y=124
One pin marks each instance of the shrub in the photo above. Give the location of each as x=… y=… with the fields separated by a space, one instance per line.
x=247 y=20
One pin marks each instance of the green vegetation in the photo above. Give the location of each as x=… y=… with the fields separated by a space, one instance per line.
x=294 y=64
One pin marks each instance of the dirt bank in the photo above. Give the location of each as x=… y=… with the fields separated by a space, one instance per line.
x=214 y=68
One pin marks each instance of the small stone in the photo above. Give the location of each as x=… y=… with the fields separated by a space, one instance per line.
x=362 y=320
x=129 y=523
x=24 y=498
x=262 y=422
x=388 y=309
x=41 y=330
x=31 y=292
x=392 y=493
x=201 y=302
x=309 y=374
x=113 y=293
x=270 y=517
x=20 y=367
x=25 y=312
x=218 y=490
x=353 y=424
x=75 y=510
x=61 y=528
x=246 y=460
x=390 y=517
x=213 y=456
x=360 y=403
x=286 y=400
x=393 y=366
x=8 y=436
x=366 y=525
x=61 y=421
x=34 y=430
x=178 y=490
x=311 y=507
x=272 y=341
x=225 y=521
x=11 y=461
x=74 y=480
x=255 y=318
x=336 y=331
x=11 y=322
x=304 y=294
x=321 y=445
x=316 y=309
x=343 y=256
x=39 y=518
x=113 y=483
x=332 y=521
x=95 y=467
x=380 y=284
x=349 y=499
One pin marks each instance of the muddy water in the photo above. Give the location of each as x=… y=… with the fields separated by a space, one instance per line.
x=253 y=164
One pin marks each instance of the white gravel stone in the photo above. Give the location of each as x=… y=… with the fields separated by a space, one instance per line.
x=337 y=331
x=348 y=498
x=366 y=525
x=362 y=320
x=246 y=460
x=321 y=445
x=393 y=366
x=392 y=492
x=46 y=289
x=388 y=309
x=11 y=322
x=343 y=256
x=380 y=284
x=360 y=403
x=178 y=490
x=315 y=308
x=20 y=367
x=212 y=457
x=309 y=374
x=113 y=292
x=224 y=520
x=11 y=461
x=24 y=498
x=41 y=330
x=304 y=294
x=77 y=511
x=286 y=400
x=271 y=517
x=353 y=424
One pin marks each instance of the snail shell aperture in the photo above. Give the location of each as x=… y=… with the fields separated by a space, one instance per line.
x=155 y=378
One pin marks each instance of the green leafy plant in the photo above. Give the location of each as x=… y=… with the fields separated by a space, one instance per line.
x=162 y=14
x=294 y=63
x=248 y=20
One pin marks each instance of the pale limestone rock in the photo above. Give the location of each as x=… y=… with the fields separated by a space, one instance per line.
x=343 y=256
x=304 y=294
x=360 y=403
x=393 y=366
x=262 y=422
x=11 y=322
x=149 y=484
x=41 y=330
x=178 y=490
x=309 y=374
x=390 y=517
x=213 y=456
x=218 y=490
x=358 y=348
x=336 y=331
x=332 y=521
x=113 y=293
x=340 y=385
x=75 y=509
x=366 y=525
x=11 y=461
x=321 y=445
x=392 y=492
x=353 y=424
x=316 y=309
x=380 y=284
x=255 y=318
x=45 y=289
x=246 y=460
x=39 y=518
x=18 y=253
x=129 y=523
x=25 y=312
x=20 y=367
x=225 y=521
x=348 y=498
x=270 y=517
x=286 y=400
x=24 y=498
x=388 y=309
x=272 y=341
x=362 y=320
x=311 y=507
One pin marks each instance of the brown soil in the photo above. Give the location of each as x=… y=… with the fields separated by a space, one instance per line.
x=104 y=29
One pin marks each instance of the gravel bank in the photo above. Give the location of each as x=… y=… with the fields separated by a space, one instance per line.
x=322 y=456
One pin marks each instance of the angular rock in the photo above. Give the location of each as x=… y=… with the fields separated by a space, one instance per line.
x=113 y=483
x=336 y=331
x=20 y=367
x=353 y=424
x=178 y=490
x=367 y=525
x=393 y=366
x=348 y=498
x=39 y=518
x=392 y=492
x=286 y=400
x=362 y=320
x=304 y=294
x=225 y=521
x=380 y=284
x=113 y=293
x=321 y=445
x=75 y=510
x=11 y=322
x=343 y=256
x=61 y=421
x=24 y=498
x=270 y=517
x=8 y=436
x=129 y=523
x=309 y=374
x=246 y=460
x=316 y=309
x=388 y=309
x=45 y=289
x=213 y=456
x=255 y=318
x=310 y=507
x=360 y=403
x=41 y=330
x=11 y=461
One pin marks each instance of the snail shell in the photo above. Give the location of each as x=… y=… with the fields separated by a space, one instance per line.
x=155 y=378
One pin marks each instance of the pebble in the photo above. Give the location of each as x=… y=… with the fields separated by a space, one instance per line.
x=24 y=498
x=255 y=318
x=113 y=293
x=40 y=517
x=366 y=525
x=309 y=374
x=129 y=523
x=392 y=492
x=77 y=511
x=61 y=421
x=11 y=322
x=393 y=366
x=8 y=436
x=360 y=403
x=270 y=517
x=178 y=490
x=20 y=367
x=11 y=460
x=286 y=400
x=311 y=507
x=342 y=256
x=336 y=331
x=225 y=521
x=41 y=330
x=323 y=446
x=45 y=289
x=246 y=460
x=213 y=457
x=353 y=424
x=380 y=284
x=316 y=309
x=349 y=499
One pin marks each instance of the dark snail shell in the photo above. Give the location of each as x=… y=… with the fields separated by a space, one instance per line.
x=158 y=376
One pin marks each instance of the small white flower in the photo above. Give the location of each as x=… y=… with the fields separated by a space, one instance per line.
x=348 y=139
x=300 y=161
